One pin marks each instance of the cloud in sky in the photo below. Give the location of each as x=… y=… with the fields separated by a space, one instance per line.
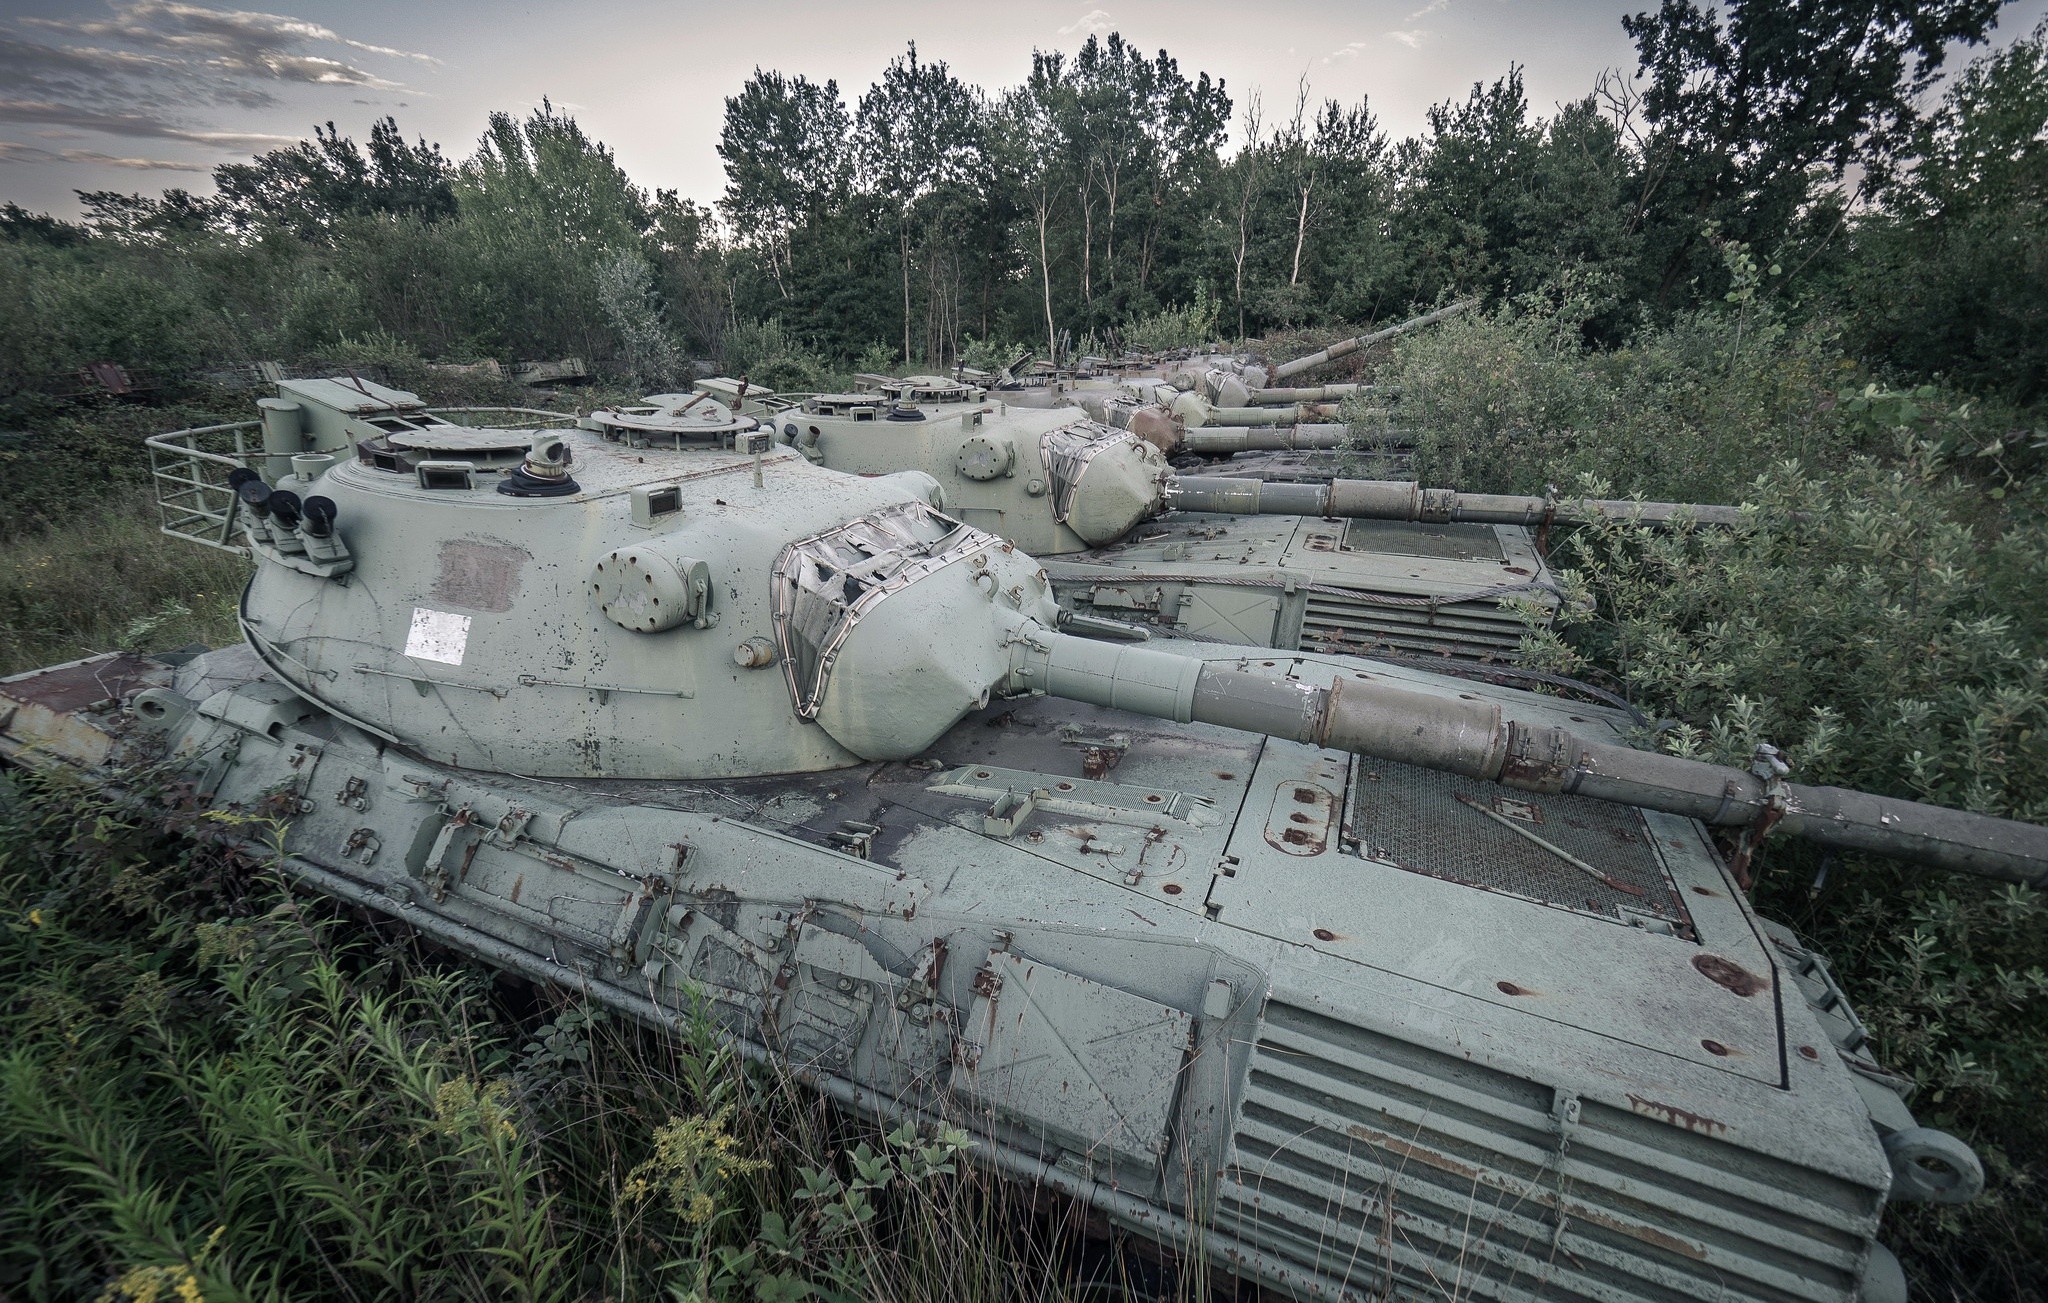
x=1343 y=52
x=93 y=75
x=1412 y=39
x=233 y=39
x=131 y=125
x=14 y=152
x=1433 y=7
x=142 y=72
x=1093 y=23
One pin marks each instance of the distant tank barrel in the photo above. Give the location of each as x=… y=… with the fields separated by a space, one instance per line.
x=1196 y=411
x=1406 y=501
x=1347 y=347
x=1312 y=394
x=1472 y=738
x=1221 y=441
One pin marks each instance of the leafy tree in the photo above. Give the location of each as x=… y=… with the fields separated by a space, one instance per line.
x=1951 y=276
x=918 y=131
x=787 y=143
x=139 y=219
x=1026 y=145
x=1492 y=199
x=1748 y=114
x=546 y=170
x=1323 y=184
x=19 y=225
x=309 y=187
x=544 y=207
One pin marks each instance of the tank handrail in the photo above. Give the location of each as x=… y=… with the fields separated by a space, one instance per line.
x=190 y=505
x=158 y=442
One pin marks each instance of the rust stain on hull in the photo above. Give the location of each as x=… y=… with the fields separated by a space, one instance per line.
x=1730 y=974
x=1676 y=1116
x=480 y=575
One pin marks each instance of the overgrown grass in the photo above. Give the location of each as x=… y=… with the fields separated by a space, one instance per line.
x=104 y=579
x=212 y=1088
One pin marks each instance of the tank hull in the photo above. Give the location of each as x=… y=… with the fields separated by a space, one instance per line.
x=1328 y=1022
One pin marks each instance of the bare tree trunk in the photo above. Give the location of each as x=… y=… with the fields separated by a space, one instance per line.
x=1303 y=160
x=1243 y=235
x=1247 y=184
x=903 y=243
x=1052 y=347
x=1109 y=246
x=1301 y=230
x=1087 y=241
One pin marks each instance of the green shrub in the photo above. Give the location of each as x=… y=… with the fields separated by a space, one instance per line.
x=1884 y=626
x=773 y=359
x=1191 y=326
x=1513 y=399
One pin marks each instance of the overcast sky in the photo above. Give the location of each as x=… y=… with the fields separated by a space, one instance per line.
x=138 y=95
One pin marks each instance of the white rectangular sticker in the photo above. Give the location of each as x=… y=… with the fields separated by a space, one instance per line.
x=437 y=636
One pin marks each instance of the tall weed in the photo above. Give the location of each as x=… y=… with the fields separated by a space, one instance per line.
x=212 y=1088
x=105 y=579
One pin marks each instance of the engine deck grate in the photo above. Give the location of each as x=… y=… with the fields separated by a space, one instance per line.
x=1446 y=542
x=1567 y=852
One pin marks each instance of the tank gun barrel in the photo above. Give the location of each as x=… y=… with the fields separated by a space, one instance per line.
x=1345 y=348
x=1196 y=413
x=1220 y=440
x=1403 y=500
x=1311 y=394
x=1472 y=738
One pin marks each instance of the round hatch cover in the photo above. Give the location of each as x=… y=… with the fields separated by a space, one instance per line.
x=461 y=439
x=647 y=591
x=692 y=414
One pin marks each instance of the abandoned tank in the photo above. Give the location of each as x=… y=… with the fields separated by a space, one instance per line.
x=1344 y=977
x=1302 y=567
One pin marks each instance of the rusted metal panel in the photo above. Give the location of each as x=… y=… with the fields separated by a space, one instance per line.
x=66 y=711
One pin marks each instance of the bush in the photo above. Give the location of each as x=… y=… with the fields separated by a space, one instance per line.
x=1192 y=326
x=773 y=359
x=1513 y=399
x=1882 y=626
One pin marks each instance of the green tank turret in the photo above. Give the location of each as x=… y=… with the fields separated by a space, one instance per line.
x=1355 y=565
x=1089 y=499
x=1258 y=953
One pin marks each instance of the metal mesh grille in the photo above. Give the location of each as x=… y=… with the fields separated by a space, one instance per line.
x=1568 y=852
x=1449 y=542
